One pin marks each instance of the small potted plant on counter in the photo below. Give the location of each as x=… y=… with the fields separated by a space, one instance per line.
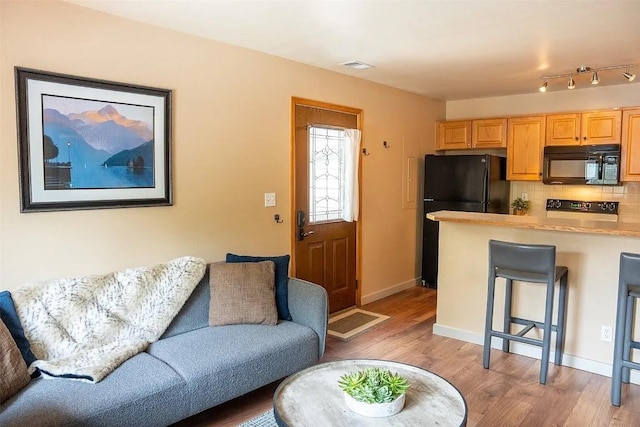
x=520 y=206
x=374 y=392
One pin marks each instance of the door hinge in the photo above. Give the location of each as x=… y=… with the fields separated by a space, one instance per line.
x=356 y=284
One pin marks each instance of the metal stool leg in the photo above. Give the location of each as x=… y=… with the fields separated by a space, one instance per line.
x=616 y=375
x=507 y=314
x=488 y=326
x=628 y=335
x=562 y=318
x=546 y=334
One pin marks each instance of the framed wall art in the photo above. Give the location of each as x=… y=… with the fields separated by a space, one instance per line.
x=90 y=144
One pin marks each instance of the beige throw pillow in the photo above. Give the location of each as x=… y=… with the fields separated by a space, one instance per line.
x=242 y=293
x=14 y=375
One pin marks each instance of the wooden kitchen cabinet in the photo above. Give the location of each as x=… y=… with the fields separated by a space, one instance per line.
x=489 y=133
x=453 y=135
x=466 y=134
x=563 y=129
x=524 y=151
x=630 y=149
x=601 y=127
x=588 y=128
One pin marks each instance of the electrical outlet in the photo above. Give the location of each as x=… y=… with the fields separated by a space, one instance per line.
x=524 y=196
x=606 y=333
x=269 y=199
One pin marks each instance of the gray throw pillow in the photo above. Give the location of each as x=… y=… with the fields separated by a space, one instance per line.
x=242 y=293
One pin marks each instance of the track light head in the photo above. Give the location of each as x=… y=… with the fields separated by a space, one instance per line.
x=629 y=76
x=572 y=83
x=543 y=87
x=594 y=78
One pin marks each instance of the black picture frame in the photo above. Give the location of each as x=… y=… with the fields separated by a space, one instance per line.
x=91 y=144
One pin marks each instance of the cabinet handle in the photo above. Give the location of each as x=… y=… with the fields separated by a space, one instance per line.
x=577 y=138
x=584 y=137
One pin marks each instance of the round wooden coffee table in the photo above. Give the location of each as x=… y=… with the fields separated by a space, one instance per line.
x=312 y=398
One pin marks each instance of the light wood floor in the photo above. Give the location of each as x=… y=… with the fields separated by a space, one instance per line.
x=508 y=394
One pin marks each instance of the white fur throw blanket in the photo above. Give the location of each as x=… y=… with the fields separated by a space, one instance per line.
x=83 y=328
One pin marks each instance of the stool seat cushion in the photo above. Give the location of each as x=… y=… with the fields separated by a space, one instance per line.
x=528 y=276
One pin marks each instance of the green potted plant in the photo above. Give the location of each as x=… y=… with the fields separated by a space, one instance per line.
x=374 y=392
x=520 y=206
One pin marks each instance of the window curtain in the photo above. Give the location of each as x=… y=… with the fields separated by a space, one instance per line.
x=350 y=189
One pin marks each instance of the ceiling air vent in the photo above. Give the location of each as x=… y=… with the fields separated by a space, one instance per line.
x=357 y=65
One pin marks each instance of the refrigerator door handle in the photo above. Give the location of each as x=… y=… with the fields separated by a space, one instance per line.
x=486 y=186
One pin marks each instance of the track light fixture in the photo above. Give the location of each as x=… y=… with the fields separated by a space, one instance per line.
x=627 y=75
x=543 y=87
x=595 y=79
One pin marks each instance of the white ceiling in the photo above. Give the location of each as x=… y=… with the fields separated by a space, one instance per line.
x=444 y=49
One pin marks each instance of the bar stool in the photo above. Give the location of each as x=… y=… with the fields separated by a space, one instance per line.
x=628 y=291
x=534 y=264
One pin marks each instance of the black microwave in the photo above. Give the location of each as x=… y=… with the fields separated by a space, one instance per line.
x=590 y=165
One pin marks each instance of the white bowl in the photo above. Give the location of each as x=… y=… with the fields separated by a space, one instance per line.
x=375 y=410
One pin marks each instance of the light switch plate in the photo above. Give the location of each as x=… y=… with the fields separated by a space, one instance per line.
x=269 y=199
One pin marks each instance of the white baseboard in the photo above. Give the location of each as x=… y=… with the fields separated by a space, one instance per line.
x=593 y=366
x=366 y=299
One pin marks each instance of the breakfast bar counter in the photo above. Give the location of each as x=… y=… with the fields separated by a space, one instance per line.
x=629 y=229
x=590 y=249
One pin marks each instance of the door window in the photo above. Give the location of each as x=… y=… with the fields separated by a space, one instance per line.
x=326 y=173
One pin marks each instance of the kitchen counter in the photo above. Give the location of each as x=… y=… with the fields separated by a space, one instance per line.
x=627 y=229
x=591 y=251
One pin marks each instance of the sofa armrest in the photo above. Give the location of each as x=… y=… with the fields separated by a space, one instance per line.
x=309 y=306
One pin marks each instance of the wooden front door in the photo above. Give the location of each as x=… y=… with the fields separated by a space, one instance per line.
x=325 y=245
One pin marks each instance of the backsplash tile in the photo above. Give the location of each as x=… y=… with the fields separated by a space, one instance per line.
x=628 y=195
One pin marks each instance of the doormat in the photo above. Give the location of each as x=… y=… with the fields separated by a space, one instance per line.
x=266 y=419
x=352 y=323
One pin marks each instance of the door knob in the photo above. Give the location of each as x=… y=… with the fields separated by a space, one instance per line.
x=302 y=234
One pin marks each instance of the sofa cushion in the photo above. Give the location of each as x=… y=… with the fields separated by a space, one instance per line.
x=10 y=318
x=142 y=384
x=282 y=275
x=223 y=362
x=194 y=313
x=242 y=293
x=14 y=370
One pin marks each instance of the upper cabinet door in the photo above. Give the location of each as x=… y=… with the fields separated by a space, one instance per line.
x=524 y=151
x=454 y=135
x=490 y=133
x=563 y=129
x=630 y=163
x=601 y=127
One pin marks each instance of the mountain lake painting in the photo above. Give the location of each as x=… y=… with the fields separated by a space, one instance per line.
x=89 y=144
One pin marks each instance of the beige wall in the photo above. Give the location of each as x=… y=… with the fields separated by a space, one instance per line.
x=592 y=98
x=231 y=141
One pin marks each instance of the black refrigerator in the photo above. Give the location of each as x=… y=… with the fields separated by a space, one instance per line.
x=472 y=183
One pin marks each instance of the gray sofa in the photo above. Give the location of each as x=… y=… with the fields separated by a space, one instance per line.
x=192 y=367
